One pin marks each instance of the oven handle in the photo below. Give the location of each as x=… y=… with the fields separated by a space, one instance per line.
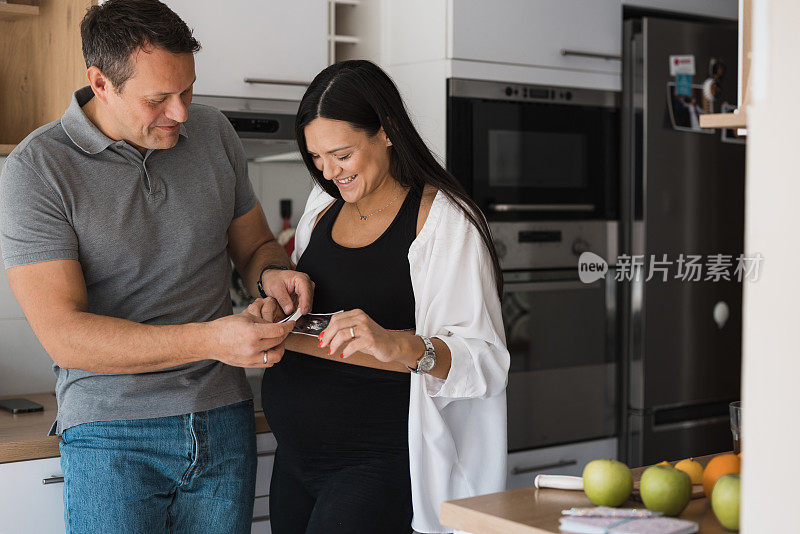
x=550 y=285
x=541 y=207
x=595 y=55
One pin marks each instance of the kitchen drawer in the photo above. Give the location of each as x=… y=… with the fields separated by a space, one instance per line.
x=526 y=33
x=266 y=457
x=265 y=442
x=261 y=526
x=261 y=507
x=26 y=503
x=562 y=460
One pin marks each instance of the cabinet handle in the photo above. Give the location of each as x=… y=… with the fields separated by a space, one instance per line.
x=540 y=207
x=53 y=480
x=562 y=463
x=276 y=82
x=580 y=53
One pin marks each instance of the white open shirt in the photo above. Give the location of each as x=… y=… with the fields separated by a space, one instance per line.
x=457 y=440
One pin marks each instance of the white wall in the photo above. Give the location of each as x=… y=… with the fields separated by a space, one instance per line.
x=771 y=366
x=276 y=181
x=24 y=365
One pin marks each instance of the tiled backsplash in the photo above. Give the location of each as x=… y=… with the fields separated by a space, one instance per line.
x=25 y=366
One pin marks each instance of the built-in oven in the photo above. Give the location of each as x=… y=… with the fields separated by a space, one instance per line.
x=560 y=332
x=532 y=152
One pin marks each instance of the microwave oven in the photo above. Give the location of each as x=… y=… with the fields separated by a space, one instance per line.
x=533 y=152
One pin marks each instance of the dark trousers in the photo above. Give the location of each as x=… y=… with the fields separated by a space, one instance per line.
x=339 y=496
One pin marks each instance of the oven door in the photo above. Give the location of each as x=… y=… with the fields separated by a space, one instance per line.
x=525 y=161
x=562 y=379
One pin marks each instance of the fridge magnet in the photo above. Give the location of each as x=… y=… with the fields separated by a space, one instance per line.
x=684 y=111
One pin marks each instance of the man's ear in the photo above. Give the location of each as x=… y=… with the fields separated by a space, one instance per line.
x=100 y=85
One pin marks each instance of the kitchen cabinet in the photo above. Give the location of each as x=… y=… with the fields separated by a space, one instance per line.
x=278 y=45
x=563 y=34
x=31 y=489
x=31 y=496
x=567 y=459
x=42 y=64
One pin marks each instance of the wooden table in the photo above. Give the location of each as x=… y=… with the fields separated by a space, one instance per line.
x=537 y=511
x=24 y=436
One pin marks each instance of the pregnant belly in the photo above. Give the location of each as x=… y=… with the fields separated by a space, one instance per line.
x=323 y=408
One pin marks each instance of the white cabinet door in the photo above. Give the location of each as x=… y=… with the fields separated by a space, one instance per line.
x=260 y=39
x=562 y=460
x=26 y=503
x=534 y=33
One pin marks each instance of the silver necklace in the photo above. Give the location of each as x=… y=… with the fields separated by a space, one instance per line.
x=367 y=216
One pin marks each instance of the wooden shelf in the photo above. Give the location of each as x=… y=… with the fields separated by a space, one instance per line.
x=17 y=11
x=5 y=150
x=724 y=120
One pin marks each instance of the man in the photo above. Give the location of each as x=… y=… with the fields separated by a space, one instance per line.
x=117 y=225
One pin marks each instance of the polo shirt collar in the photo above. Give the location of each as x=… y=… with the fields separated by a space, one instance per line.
x=82 y=131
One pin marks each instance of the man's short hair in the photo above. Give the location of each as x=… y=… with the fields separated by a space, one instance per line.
x=111 y=32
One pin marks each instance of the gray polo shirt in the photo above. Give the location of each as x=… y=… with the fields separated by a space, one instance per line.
x=150 y=234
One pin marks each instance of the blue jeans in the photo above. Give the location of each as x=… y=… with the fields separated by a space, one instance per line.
x=186 y=473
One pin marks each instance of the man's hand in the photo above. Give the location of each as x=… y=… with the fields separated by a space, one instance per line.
x=267 y=309
x=289 y=288
x=243 y=340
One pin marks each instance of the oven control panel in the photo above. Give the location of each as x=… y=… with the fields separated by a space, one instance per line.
x=553 y=245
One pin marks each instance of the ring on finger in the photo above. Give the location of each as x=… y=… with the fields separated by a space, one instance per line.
x=352 y=333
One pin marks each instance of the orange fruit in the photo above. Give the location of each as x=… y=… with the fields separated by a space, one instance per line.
x=724 y=464
x=663 y=462
x=691 y=468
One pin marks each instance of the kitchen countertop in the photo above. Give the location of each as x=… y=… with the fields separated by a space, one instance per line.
x=537 y=511
x=24 y=436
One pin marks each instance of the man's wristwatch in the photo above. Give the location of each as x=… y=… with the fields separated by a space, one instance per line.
x=428 y=360
x=260 y=276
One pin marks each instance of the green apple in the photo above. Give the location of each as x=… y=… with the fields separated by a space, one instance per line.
x=665 y=489
x=607 y=482
x=725 y=501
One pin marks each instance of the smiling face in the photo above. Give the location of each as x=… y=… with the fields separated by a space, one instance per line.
x=152 y=103
x=357 y=163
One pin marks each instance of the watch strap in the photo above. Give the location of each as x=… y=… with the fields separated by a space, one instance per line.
x=259 y=285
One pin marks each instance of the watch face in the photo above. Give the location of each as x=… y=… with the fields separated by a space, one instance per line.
x=426 y=364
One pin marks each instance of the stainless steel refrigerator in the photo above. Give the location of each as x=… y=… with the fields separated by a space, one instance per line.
x=682 y=193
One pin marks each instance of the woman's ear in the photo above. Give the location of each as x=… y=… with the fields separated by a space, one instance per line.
x=385 y=138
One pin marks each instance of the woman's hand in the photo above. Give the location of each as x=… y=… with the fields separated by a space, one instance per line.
x=353 y=331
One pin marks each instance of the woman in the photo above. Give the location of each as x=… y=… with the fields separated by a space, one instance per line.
x=389 y=237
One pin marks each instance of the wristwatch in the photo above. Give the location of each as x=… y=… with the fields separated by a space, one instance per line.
x=428 y=360
x=260 y=276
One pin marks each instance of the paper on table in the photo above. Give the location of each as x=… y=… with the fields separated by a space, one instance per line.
x=603 y=525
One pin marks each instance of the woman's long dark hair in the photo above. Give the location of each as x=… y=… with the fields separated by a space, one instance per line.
x=361 y=94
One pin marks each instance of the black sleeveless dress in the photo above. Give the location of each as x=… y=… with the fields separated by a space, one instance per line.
x=342 y=430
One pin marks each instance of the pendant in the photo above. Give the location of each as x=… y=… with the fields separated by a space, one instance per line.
x=363 y=217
